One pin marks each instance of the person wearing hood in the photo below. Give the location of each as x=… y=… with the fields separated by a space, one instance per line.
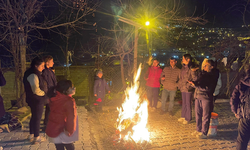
x=153 y=77
x=240 y=106
x=36 y=95
x=100 y=87
x=62 y=126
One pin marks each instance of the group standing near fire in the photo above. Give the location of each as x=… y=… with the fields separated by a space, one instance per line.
x=193 y=83
x=202 y=84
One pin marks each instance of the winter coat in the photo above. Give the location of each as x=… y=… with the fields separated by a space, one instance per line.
x=153 y=76
x=240 y=93
x=186 y=74
x=204 y=86
x=35 y=87
x=171 y=78
x=50 y=77
x=100 y=87
x=62 y=115
x=2 y=83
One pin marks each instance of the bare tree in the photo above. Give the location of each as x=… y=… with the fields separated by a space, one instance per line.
x=21 y=17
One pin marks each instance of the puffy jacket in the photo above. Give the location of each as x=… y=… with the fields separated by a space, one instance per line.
x=31 y=96
x=186 y=75
x=62 y=115
x=171 y=78
x=240 y=93
x=153 y=76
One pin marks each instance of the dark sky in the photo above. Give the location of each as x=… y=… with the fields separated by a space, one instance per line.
x=223 y=13
x=219 y=13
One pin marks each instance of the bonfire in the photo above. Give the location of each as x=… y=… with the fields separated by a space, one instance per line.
x=133 y=115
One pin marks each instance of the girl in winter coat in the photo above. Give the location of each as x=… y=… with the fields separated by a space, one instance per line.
x=186 y=74
x=100 y=87
x=62 y=127
x=152 y=77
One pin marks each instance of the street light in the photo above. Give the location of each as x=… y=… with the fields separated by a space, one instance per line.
x=147 y=23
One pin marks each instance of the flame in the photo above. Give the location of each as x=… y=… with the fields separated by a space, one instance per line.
x=133 y=115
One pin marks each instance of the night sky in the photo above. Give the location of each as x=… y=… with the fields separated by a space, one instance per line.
x=219 y=13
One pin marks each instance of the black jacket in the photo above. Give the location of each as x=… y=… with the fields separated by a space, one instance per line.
x=50 y=77
x=32 y=98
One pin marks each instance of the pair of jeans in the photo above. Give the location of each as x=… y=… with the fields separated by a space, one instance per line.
x=46 y=116
x=36 y=116
x=186 y=110
x=243 y=134
x=61 y=146
x=164 y=97
x=153 y=94
x=202 y=115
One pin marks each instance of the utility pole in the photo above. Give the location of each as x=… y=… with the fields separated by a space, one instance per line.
x=135 y=49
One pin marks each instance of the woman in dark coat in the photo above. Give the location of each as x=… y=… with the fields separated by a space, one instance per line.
x=35 y=88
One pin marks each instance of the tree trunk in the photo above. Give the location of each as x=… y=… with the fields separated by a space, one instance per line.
x=22 y=42
x=122 y=71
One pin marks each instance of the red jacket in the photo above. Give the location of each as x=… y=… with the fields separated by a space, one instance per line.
x=153 y=76
x=62 y=115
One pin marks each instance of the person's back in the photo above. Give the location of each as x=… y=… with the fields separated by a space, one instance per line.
x=60 y=107
x=62 y=126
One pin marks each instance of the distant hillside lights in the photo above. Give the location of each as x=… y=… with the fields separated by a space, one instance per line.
x=162 y=64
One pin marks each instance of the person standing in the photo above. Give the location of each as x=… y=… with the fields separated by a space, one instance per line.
x=100 y=87
x=217 y=75
x=50 y=77
x=35 y=89
x=169 y=79
x=152 y=77
x=204 y=89
x=186 y=74
x=240 y=106
x=62 y=127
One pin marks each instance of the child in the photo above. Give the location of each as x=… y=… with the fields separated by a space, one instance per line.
x=100 y=86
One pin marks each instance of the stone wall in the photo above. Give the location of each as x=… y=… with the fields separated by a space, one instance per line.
x=81 y=76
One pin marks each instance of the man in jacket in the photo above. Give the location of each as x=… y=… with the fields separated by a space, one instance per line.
x=50 y=77
x=169 y=79
x=240 y=106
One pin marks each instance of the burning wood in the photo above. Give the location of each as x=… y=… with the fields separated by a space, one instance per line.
x=133 y=115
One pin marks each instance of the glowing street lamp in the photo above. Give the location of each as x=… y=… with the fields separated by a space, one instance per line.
x=147 y=23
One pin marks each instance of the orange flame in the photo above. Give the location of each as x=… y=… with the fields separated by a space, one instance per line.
x=133 y=115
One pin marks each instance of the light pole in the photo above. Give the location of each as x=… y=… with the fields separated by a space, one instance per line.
x=147 y=23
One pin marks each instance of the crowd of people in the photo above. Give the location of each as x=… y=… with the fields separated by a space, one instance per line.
x=192 y=82
x=199 y=82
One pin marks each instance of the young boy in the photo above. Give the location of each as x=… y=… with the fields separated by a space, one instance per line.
x=100 y=86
